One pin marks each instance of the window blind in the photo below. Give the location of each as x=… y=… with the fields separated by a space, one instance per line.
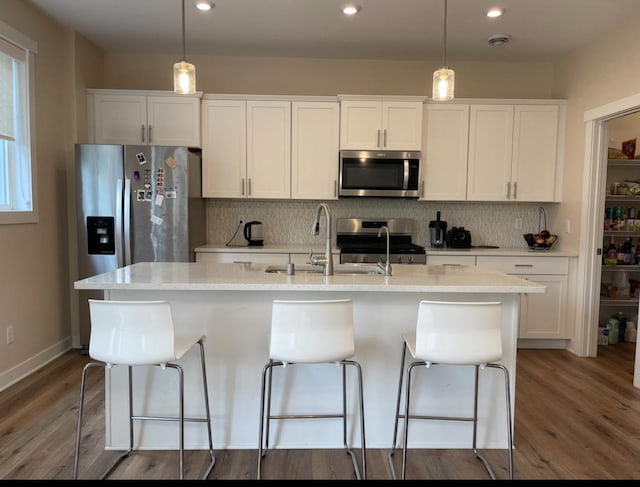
x=9 y=54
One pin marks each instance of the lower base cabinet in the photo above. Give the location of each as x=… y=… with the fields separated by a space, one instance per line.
x=248 y=257
x=542 y=316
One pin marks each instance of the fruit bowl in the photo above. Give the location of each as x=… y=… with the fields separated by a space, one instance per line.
x=540 y=241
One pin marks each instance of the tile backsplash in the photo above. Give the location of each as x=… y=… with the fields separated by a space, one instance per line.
x=290 y=221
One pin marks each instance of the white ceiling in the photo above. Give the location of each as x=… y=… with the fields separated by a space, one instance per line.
x=541 y=30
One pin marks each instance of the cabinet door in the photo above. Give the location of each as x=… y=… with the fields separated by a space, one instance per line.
x=242 y=257
x=535 y=146
x=315 y=132
x=490 y=148
x=401 y=125
x=268 y=149
x=224 y=148
x=544 y=315
x=360 y=124
x=445 y=143
x=173 y=120
x=120 y=119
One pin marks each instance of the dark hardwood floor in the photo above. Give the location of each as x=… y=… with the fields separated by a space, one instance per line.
x=576 y=418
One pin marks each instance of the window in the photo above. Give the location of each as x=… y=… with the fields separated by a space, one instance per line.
x=17 y=178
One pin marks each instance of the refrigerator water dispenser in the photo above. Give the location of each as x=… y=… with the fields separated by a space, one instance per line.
x=100 y=235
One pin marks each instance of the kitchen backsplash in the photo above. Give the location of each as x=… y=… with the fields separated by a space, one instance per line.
x=290 y=221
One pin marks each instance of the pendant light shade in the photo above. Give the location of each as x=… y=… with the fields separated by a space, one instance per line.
x=444 y=78
x=184 y=73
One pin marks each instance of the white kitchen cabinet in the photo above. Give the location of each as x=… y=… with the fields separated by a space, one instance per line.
x=445 y=259
x=542 y=316
x=246 y=148
x=445 y=144
x=513 y=153
x=240 y=257
x=144 y=118
x=224 y=148
x=389 y=124
x=315 y=133
x=268 y=149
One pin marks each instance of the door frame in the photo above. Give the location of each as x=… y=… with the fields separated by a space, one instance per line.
x=593 y=195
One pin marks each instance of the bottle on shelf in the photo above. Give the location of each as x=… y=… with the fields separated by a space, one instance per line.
x=622 y=325
x=613 y=325
x=626 y=252
x=611 y=255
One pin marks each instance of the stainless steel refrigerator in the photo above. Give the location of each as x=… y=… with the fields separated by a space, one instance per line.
x=135 y=204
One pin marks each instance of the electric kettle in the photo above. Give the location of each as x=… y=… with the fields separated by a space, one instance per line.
x=437 y=232
x=253 y=233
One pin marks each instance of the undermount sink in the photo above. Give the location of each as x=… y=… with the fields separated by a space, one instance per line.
x=344 y=269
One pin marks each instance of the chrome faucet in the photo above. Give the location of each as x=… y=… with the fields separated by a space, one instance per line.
x=327 y=260
x=386 y=266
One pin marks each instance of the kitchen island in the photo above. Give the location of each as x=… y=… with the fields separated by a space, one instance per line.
x=231 y=304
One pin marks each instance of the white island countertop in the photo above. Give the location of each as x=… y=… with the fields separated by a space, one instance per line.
x=252 y=277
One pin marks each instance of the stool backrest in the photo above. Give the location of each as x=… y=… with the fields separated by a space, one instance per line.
x=459 y=332
x=131 y=332
x=312 y=331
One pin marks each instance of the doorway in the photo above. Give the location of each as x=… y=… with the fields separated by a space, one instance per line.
x=590 y=261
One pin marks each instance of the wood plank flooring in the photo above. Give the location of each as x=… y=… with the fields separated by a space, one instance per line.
x=576 y=418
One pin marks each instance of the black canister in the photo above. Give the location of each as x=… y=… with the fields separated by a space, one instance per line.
x=437 y=232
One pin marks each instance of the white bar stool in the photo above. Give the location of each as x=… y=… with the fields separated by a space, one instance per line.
x=453 y=333
x=134 y=333
x=311 y=332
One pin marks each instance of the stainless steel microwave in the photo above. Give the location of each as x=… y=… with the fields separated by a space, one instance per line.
x=393 y=174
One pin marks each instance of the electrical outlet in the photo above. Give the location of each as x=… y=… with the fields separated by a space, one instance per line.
x=9 y=335
x=518 y=224
x=567 y=226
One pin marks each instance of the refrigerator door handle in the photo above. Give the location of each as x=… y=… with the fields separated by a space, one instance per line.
x=127 y=222
x=118 y=232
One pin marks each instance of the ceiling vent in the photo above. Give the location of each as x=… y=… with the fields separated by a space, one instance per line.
x=499 y=39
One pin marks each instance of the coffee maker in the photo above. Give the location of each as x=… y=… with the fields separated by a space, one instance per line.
x=437 y=232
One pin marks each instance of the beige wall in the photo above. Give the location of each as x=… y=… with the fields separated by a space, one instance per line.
x=281 y=76
x=34 y=275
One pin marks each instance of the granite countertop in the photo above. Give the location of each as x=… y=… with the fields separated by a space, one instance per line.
x=252 y=277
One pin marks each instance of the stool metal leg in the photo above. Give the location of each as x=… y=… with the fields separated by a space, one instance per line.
x=397 y=415
x=266 y=416
x=212 y=463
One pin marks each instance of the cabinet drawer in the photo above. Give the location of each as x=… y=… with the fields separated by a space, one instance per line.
x=451 y=259
x=525 y=265
x=255 y=257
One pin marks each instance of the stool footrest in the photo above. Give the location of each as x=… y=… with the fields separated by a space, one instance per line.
x=439 y=418
x=306 y=416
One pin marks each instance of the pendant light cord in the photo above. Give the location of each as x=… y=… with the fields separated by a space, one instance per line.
x=444 y=36
x=184 y=39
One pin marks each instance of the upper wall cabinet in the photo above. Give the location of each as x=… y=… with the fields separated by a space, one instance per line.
x=315 y=132
x=513 y=151
x=388 y=123
x=144 y=118
x=246 y=148
x=269 y=148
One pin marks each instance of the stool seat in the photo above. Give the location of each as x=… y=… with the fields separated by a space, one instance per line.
x=311 y=332
x=451 y=334
x=142 y=333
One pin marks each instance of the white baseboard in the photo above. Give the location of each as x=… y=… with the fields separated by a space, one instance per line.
x=32 y=364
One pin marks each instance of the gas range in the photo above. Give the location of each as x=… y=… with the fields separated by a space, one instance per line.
x=358 y=241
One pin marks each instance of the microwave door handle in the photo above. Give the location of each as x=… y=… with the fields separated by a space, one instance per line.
x=405 y=180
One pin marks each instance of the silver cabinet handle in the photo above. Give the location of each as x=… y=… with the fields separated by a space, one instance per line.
x=378 y=137
x=523 y=265
x=385 y=137
x=150 y=137
x=509 y=189
x=335 y=188
x=515 y=189
x=142 y=132
x=249 y=187
x=421 y=189
x=242 y=187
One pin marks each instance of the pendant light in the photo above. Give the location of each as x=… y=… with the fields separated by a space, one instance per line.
x=184 y=73
x=443 y=78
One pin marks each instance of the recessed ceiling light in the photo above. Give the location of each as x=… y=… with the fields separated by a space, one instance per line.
x=204 y=5
x=351 y=9
x=495 y=12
